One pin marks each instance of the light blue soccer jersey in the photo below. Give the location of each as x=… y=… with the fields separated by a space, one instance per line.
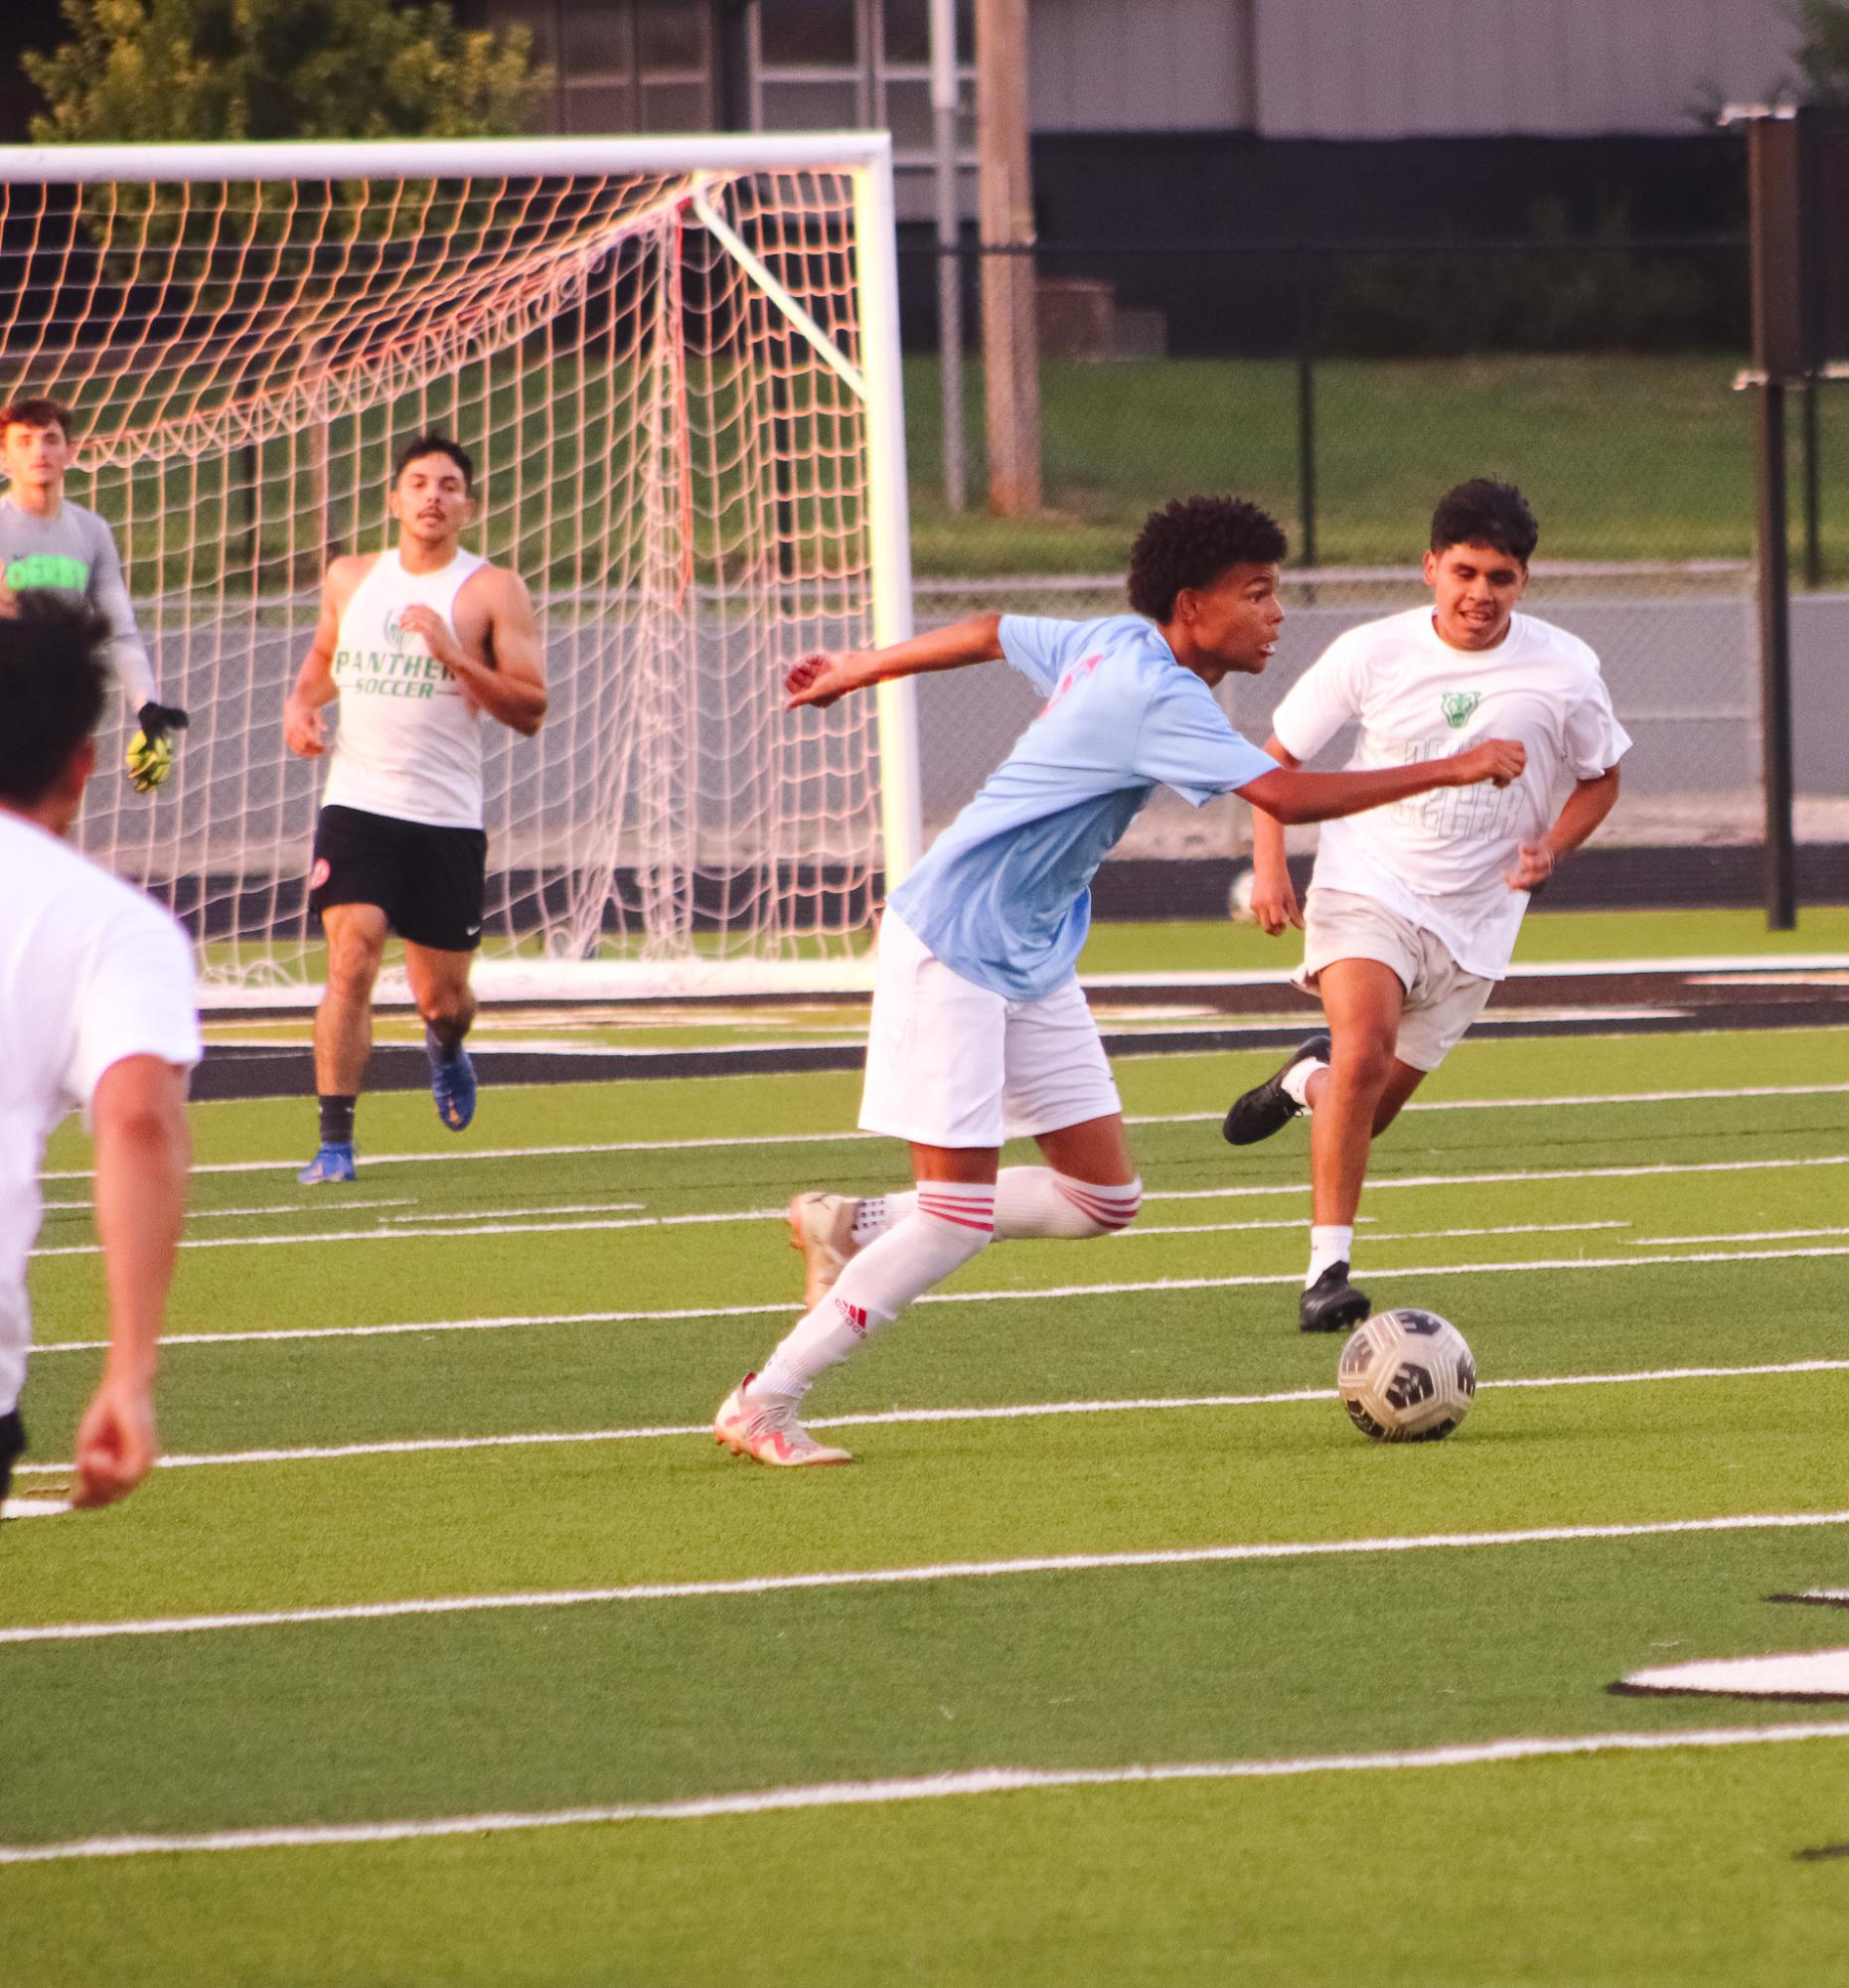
x=1003 y=896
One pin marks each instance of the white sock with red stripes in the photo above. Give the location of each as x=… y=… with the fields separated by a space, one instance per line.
x=951 y=1222
x=1037 y=1202
x=1029 y=1202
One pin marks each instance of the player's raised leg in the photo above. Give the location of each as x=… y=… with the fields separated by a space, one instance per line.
x=440 y=983
x=355 y=941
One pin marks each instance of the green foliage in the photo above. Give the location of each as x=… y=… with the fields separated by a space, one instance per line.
x=172 y=70
x=1590 y=294
x=1823 y=53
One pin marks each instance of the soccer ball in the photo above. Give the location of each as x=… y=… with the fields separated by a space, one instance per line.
x=1405 y=1376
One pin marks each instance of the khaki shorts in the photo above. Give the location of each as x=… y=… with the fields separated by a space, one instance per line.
x=1441 y=1000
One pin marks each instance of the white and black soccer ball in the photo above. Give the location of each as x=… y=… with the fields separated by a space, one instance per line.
x=1405 y=1376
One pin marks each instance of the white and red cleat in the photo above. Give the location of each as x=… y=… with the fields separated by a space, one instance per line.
x=822 y=1228
x=766 y=1429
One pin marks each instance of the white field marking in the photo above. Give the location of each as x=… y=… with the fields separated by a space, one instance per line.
x=843 y=1137
x=223 y=1214
x=1420 y=1235
x=383 y=1233
x=380 y=1234
x=919 y=1787
x=786 y=1307
x=558 y=1208
x=1743 y=1236
x=907 y=1576
x=34 y=1508
x=1013 y=1412
x=1376 y=1186
x=1816 y=1674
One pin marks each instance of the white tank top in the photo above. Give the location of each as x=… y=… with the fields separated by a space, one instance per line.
x=409 y=745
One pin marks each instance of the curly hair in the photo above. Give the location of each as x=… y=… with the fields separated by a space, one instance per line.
x=1192 y=541
x=1482 y=513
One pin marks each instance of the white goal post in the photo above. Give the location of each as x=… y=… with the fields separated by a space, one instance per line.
x=675 y=363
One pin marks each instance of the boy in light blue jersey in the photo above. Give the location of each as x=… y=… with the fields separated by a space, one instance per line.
x=980 y=1031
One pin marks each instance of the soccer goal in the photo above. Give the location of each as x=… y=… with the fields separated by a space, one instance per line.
x=675 y=363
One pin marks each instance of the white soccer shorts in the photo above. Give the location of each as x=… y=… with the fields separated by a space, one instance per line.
x=949 y=1063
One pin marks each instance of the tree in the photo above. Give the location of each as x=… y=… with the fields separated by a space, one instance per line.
x=172 y=70
x=1823 y=53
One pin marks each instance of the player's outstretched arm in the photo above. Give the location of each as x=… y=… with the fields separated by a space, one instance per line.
x=511 y=687
x=144 y=1150
x=1584 y=809
x=1274 y=896
x=304 y=730
x=817 y=680
x=1295 y=796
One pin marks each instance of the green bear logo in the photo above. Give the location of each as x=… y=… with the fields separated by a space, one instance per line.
x=1458 y=704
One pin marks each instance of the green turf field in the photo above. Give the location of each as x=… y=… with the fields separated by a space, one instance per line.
x=590 y=1268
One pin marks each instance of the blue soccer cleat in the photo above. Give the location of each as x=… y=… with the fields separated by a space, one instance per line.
x=452 y=1085
x=332 y=1162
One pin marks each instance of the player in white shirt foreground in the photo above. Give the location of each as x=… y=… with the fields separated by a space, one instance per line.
x=980 y=1031
x=1412 y=912
x=416 y=643
x=46 y=542
x=97 y=1011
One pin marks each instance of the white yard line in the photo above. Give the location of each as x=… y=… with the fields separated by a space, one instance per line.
x=1137 y=1229
x=383 y=1233
x=921 y=1788
x=905 y=1576
x=886 y=1417
x=786 y=1307
x=1741 y=1236
x=275 y=1208
x=368 y=1159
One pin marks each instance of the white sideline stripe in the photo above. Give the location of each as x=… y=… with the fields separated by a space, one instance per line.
x=275 y=1208
x=1743 y=1236
x=383 y=1233
x=886 y=1417
x=784 y=1307
x=903 y=1577
x=1426 y=1234
x=921 y=1788
x=843 y=1137
x=1376 y=1186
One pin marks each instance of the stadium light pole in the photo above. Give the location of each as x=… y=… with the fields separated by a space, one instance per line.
x=1010 y=336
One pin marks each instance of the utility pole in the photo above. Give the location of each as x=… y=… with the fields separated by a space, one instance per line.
x=1010 y=341
x=949 y=231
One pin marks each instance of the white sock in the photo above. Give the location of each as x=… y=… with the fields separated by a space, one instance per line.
x=877 y=1213
x=1037 y=1202
x=1295 y=1084
x=952 y=1222
x=1329 y=1244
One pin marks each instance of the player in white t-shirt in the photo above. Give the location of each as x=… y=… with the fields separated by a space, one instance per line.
x=1412 y=911
x=980 y=1031
x=97 y=1013
x=418 y=643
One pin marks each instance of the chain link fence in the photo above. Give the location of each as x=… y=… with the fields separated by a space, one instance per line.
x=1345 y=390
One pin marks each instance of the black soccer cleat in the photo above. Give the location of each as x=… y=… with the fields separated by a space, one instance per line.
x=1331 y=1304
x=1267 y=1108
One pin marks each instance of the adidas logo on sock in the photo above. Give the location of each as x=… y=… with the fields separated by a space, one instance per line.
x=853 y=1317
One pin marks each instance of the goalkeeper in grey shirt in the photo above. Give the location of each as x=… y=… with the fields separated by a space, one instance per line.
x=48 y=541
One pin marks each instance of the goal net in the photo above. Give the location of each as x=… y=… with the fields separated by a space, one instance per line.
x=674 y=363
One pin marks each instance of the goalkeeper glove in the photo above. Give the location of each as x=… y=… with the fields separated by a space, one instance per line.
x=150 y=751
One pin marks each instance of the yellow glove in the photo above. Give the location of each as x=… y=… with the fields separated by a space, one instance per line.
x=150 y=760
x=150 y=751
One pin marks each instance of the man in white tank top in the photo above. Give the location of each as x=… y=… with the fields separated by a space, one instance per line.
x=418 y=643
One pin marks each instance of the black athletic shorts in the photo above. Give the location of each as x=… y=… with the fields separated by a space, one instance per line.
x=12 y=1448
x=427 y=881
